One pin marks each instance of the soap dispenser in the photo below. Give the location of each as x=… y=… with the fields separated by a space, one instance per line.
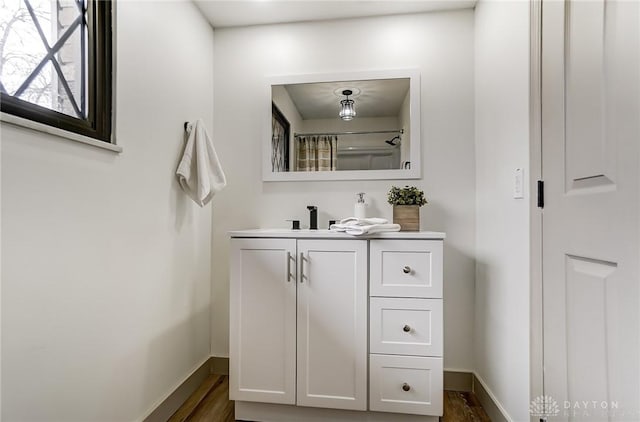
x=360 y=209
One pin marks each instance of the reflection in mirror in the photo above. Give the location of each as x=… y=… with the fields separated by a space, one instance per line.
x=334 y=126
x=280 y=129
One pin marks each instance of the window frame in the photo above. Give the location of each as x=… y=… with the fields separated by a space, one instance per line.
x=286 y=129
x=98 y=123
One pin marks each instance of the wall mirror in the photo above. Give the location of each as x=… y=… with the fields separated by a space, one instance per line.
x=343 y=127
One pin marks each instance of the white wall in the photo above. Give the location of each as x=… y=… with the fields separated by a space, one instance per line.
x=441 y=46
x=106 y=263
x=502 y=225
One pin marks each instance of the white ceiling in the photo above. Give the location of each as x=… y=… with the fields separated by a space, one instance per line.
x=373 y=98
x=227 y=13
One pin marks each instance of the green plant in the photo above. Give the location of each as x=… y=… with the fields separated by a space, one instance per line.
x=409 y=195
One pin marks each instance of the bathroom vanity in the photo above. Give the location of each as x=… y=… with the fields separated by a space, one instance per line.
x=328 y=326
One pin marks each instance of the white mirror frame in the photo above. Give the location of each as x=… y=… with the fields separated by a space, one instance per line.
x=414 y=112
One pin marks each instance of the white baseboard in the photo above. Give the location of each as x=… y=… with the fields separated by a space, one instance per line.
x=489 y=402
x=162 y=410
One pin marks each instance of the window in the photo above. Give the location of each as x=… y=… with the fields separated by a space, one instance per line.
x=280 y=128
x=55 y=63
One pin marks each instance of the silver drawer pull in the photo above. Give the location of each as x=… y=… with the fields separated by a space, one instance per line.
x=406 y=387
x=406 y=328
x=406 y=269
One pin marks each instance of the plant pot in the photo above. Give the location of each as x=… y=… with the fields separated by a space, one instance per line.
x=408 y=216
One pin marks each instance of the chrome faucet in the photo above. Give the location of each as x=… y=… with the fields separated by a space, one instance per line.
x=313 y=217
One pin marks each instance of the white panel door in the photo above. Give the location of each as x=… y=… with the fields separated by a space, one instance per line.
x=590 y=138
x=332 y=324
x=262 y=349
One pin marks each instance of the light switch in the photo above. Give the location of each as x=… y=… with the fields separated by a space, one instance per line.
x=518 y=184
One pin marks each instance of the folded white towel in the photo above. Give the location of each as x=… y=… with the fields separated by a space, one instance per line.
x=199 y=173
x=361 y=226
x=363 y=221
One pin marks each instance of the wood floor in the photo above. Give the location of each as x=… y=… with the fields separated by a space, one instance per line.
x=462 y=407
x=210 y=403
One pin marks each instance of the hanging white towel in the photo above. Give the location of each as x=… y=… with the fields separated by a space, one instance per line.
x=361 y=226
x=199 y=173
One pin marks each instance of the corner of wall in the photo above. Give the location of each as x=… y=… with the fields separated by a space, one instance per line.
x=501 y=345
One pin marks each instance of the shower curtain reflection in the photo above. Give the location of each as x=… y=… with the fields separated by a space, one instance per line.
x=317 y=153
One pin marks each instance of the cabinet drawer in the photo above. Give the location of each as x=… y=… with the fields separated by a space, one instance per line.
x=406 y=384
x=406 y=268
x=406 y=326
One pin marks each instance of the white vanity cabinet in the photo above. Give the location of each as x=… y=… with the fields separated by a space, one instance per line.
x=298 y=322
x=327 y=326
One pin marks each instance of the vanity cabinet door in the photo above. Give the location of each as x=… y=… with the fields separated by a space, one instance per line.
x=262 y=333
x=332 y=324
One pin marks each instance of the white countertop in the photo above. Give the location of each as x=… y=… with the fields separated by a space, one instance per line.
x=327 y=234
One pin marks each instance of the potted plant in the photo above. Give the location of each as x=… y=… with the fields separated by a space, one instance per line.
x=406 y=206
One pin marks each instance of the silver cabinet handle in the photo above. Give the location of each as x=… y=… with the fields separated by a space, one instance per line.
x=406 y=269
x=301 y=267
x=406 y=387
x=406 y=328
x=288 y=266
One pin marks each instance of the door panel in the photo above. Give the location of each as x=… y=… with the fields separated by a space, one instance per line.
x=263 y=320
x=588 y=320
x=590 y=137
x=332 y=324
x=587 y=145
